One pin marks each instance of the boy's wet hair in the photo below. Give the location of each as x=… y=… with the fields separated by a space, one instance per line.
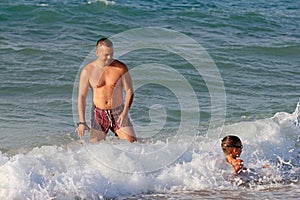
x=230 y=141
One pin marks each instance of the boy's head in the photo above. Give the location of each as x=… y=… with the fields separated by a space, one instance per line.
x=232 y=145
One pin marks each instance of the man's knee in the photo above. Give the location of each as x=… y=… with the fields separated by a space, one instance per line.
x=93 y=140
x=131 y=138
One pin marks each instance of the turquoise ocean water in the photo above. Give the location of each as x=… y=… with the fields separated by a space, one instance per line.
x=200 y=69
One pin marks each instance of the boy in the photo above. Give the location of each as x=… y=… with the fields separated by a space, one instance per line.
x=232 y=148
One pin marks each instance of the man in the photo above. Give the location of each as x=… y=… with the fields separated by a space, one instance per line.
x=107 y=79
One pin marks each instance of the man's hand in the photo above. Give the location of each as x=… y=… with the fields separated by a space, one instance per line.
x=80 y=130
x=122 y=118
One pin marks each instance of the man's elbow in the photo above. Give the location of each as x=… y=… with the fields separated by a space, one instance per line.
x=81 y=98
x=129 y=92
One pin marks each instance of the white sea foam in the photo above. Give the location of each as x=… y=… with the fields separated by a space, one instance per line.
x=116 y=168
x=104 y=1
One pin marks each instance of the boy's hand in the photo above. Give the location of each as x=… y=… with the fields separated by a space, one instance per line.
x=237 y=165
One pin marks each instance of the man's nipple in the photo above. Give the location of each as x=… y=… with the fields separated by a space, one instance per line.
x=101 y=84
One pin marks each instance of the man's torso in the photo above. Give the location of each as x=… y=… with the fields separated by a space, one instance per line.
x=106 y=84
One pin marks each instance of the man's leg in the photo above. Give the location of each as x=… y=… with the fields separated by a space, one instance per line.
x=96 y=136
x=126 y=133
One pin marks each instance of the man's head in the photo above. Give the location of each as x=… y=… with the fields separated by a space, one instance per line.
x=105 y=51
x=232 y=145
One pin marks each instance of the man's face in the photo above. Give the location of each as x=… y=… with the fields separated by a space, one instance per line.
x=105 y=54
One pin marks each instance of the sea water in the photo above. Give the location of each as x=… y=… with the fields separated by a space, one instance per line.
x=200 y=70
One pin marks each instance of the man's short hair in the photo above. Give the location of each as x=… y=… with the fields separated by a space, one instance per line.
x=105 y=42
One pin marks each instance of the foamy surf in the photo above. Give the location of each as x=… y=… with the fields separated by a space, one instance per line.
x=116 y=168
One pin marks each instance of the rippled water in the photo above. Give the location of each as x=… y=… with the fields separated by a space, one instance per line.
x=254 y=45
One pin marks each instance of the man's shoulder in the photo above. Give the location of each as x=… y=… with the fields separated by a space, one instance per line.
x=119 y=64
x=89 y=67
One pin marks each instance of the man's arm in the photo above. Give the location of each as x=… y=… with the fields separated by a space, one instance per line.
x=82 y=94
x=128 y=88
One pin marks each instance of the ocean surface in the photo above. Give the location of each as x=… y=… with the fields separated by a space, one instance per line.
x=200 y=69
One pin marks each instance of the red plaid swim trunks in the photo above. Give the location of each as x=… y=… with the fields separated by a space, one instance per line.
x=103 y=120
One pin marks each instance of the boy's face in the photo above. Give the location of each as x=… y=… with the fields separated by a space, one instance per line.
x=236 y=152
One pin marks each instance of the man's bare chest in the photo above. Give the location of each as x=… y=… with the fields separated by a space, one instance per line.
x=107 y=77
